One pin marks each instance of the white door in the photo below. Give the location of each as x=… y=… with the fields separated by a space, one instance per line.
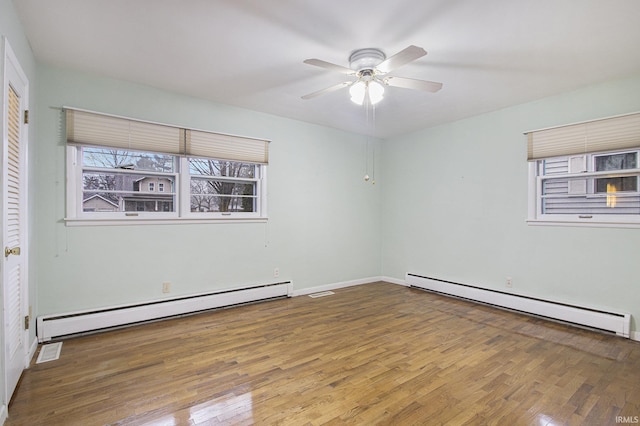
x=14 y=266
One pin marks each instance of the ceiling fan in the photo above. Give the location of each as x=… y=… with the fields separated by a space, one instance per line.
x=370 y=66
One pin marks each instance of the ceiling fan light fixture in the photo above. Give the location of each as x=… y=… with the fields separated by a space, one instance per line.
x=361 y=89
x=376 y=92
x=358 y=92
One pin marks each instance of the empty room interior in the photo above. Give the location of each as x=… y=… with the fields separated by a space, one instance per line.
x=268 y=212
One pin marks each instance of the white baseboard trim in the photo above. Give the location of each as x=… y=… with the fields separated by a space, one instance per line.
x=333 y=286
x=32 y=351
x=394 y=281
x=343 y=284
x=3 y=414
x=635 y=335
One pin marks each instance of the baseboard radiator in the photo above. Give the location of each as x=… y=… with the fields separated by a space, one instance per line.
x=618 y=323
x=73 y=323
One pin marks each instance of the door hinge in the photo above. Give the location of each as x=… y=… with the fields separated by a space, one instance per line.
x=26 y=322
x=26 y=116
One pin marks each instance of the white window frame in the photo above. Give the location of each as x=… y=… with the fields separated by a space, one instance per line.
x=75 y=215
x=536 y=217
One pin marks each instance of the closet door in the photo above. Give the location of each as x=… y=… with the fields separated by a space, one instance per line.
x=14 y=264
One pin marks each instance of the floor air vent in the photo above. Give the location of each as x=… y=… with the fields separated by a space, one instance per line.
x=50 y=352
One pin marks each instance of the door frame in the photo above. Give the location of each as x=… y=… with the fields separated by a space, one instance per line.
x=9 y=59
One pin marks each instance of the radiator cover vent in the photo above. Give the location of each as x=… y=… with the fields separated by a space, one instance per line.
x=60 y=325
x=619 y=323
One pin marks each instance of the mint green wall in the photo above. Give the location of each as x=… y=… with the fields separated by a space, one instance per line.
x=11 y=28
x=323 y=227
x=455 y=204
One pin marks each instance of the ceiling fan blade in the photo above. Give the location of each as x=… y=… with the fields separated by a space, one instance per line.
x=328 y=65
x=328 y=90
x=401 y=58
x=411 y=83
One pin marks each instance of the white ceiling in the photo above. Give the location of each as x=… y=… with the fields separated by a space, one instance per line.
x=488 y=54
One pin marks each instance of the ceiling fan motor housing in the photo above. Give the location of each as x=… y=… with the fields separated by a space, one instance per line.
x=366 y=59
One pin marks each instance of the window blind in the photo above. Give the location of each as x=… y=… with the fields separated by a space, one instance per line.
x=90 y=128
x=607 y=134
x=216 y=145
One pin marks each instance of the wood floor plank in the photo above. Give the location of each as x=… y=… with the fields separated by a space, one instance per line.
x=371 y=354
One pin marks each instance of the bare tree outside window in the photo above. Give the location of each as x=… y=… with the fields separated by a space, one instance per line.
x=222 y=186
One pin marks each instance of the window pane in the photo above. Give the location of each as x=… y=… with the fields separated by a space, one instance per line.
x=126 y=192
x=616 y=161
x=210 y=195
x=132 y=204
x=221 y=187
x=209 y=167
x=124 y=182
x=222 y=204
x=627 y=183
x=603 y=205
x=128 y=160
x=557 y=200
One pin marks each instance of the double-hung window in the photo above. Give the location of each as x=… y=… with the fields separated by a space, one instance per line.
x=586 y=173
x=122 y=170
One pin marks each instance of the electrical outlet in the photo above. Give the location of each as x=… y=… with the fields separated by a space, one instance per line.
x=509 y=282
x=276 y=272
x=166 y=287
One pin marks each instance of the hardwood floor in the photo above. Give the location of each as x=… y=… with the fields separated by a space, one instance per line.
x=371 y=354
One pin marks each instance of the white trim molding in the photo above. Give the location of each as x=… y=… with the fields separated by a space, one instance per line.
x=31 y=353
x=3 y=414
x=333 y=286
x=343 y=284
x=397 y=281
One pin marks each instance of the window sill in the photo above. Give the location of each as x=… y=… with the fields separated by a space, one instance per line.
x=160 y=221
x=591 y=223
